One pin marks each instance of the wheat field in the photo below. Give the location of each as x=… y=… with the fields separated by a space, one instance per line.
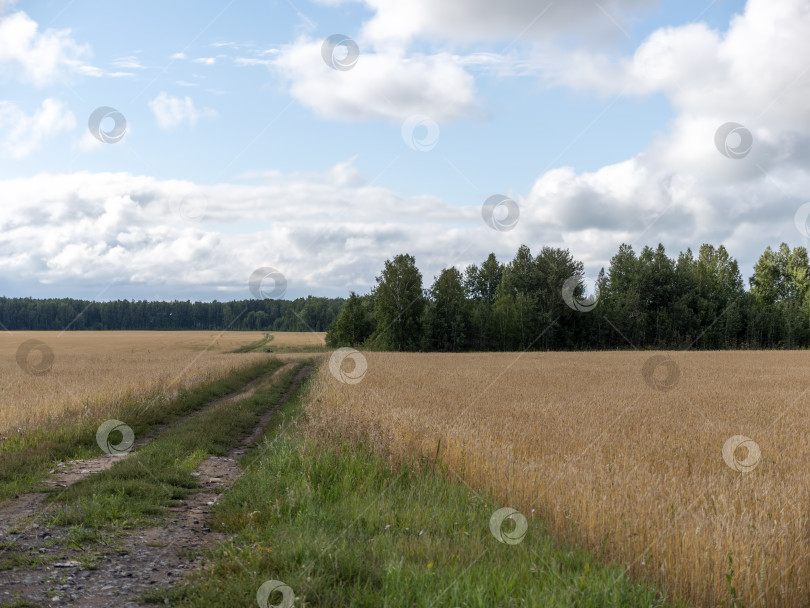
x=622 y=452
x=55 y=377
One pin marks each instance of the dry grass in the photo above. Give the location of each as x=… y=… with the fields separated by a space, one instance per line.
x=607 y=460
x=92 y=371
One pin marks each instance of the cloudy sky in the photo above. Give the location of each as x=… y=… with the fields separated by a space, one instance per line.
x=237 y=136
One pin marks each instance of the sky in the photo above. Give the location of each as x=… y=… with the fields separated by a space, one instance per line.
x=169 y=150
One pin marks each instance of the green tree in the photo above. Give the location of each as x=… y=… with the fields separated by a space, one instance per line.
x=354 y=324
x=399 y=304
x=447 y=315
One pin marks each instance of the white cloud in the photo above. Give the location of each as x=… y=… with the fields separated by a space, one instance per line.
x=178 y=56
x=324 y=232
x=130 y=62
x=253 y=61
x=391 y=81
x=206 y=60
x=381 y=85
x=396 y=22
x=681 y=190
x=171 y=111
x=329 y=233
x=22 y=134
x=39 y=57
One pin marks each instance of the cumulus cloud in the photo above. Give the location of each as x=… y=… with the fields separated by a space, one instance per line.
x=171 y=111
x=329 y=233
x=22 y=134
x=326 y=233
x=681 y=190
x=392 y=81
x=472 y=20
x=387 y=85
x=38 y=57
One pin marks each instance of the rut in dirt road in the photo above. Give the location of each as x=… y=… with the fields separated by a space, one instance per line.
x=137 y=562
x=68 y=473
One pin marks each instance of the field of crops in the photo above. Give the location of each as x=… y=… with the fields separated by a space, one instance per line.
x=691 y=469
x=50 y=377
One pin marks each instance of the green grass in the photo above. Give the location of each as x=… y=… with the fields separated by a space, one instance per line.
x=25 y=460
x=301 y=348
x=258 y=346
x=137 y=491
x=264 y=345
x=338 y=526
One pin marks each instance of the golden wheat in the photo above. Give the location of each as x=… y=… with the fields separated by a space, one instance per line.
x=91 y=371
x=611 y=460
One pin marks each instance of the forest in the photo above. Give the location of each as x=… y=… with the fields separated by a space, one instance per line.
x=536 y=301
x=302 y=314
x=643 y=300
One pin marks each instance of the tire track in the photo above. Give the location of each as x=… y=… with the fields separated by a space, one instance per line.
x=13 y=514
x=147 y=559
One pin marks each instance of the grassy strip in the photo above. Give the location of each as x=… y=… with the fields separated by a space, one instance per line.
x=258 y=346
x=27 y=459
x=301 y=348
x=264 y=346
x=138 y=490
x=341 y=529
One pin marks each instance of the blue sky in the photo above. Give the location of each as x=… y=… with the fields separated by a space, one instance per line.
x=244 y=149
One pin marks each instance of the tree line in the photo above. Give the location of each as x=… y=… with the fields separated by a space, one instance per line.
x=302 y=314
x=643 y=300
